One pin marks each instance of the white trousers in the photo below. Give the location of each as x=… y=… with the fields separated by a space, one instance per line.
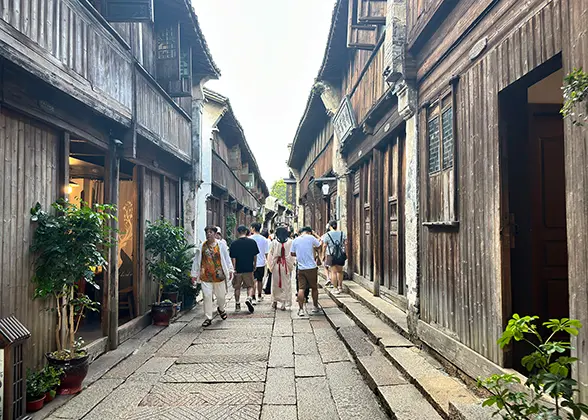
x=219 y=290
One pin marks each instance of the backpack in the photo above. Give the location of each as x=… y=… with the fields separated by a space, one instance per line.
x=339 y=256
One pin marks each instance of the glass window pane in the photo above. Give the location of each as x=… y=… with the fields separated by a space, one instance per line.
x=447 y=122
x=434 y=145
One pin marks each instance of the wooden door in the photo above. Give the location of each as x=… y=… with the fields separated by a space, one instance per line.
x=548 y=217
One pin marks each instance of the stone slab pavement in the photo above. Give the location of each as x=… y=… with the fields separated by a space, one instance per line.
x=271 y=365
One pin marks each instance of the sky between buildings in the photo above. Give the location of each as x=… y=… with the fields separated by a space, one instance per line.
x=269 y=53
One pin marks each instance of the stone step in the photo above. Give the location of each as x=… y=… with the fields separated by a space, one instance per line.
x=390 y=360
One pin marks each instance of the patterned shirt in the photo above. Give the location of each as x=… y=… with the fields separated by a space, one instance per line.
x=212 y=268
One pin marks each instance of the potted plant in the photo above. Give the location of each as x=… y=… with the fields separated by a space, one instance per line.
x=163 y=242
x=69 y=243
x=183 y=259
x=35 y=392
x=51 y=379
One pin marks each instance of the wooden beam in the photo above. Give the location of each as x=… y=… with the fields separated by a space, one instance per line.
x=110 y=322
x=376 y=218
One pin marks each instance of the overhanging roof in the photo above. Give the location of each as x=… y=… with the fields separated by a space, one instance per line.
x=331 y=69
x=229 y=119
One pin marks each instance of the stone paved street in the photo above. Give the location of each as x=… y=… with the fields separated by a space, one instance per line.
x=269 y=365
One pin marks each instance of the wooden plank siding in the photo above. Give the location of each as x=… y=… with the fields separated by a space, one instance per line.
x=366 y=86
x=64 y=44
x=319 y=145
x=575 y=40
x=160 y=120
x=141 y=37
x=224 y=178
x=461 y=283
x=29 y=153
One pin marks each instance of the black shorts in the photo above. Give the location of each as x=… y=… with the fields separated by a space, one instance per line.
x=259 y=273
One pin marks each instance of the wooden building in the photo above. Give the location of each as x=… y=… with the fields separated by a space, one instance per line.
x=502 y=176
x=100 y=102
x=232 y=183
x=462 y=189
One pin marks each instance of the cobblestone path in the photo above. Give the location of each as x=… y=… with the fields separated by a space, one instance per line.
x=269 y=365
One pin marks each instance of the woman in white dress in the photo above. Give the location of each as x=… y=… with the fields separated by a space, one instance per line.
x=281 y=264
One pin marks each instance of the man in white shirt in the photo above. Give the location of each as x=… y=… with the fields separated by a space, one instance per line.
x=303 y=248
x=263 y=246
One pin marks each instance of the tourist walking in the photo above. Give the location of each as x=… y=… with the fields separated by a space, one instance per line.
x=219 y=235
x=304 y=248
x=212 y=268
x=267 y=289
x=281 y=263
x=243 y=253
x=334 y=244
x=263 y=246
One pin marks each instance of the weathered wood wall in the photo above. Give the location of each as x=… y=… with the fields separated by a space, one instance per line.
x=364 y=81
x=461 y=282
x=141 y=37
x=317 y=149
x=575 y=37
x=152 y=210
x=160 y=120
x=224 y=178
x=61 y=42
x=29 y=152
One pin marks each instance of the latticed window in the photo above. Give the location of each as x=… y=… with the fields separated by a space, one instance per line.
x=440 y=135
x=442 y=183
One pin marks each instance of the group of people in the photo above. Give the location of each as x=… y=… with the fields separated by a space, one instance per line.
x=278 y=257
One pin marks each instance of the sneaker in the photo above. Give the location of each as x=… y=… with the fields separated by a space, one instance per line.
x=316 y=310
x=254 y=301
x=336 y=291
x=249 y=304
x=237 y=307
x=328 y=284
x=260 y=298
x=283 y=306
x=301 y=312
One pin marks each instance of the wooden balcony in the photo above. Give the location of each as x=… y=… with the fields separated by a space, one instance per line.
x=371 y=85
x=223 y=177
x=160 y=119
x=69 y=46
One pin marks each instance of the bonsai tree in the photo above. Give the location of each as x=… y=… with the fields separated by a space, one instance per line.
x=549 y=368
x=167 y=257
x=68 y=244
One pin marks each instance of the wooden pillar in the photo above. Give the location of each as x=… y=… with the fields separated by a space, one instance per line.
x=111 y=184
x=139 y=278
x=350 y=232
x=376 y=218
x=64 y=147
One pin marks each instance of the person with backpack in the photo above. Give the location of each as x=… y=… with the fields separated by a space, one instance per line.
x=281 y=264
x=334 y=243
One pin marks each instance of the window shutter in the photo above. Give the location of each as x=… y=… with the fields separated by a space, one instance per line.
x=128 y=10
x=183 y=86
x=360 y=35
x=168 y=52
x=363 y=37
x=371 y=11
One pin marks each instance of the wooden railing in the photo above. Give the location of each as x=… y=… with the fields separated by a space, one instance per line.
x=371 y=85
x=68 y=46
x=223 y=177
x=160 y=119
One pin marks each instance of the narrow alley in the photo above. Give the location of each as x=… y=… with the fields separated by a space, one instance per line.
x=269 y=365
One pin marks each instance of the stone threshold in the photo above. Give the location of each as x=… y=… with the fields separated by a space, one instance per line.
x=385 y=326
x=132 y=335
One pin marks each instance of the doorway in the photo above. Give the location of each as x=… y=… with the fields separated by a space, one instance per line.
x=535 y=241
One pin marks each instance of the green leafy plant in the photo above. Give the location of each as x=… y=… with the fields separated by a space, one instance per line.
x=549 y=368
x=35 y=387
x=50 y=377
x=168 y=255
x=69 y=244
x=575 y=92
x=231 y=225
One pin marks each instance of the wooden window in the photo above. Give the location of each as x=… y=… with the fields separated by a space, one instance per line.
x=440 y=135
x=441 y=183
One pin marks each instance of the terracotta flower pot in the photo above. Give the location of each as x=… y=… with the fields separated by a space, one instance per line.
x=75 y=371
x=35 y=405
x=161 y=314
